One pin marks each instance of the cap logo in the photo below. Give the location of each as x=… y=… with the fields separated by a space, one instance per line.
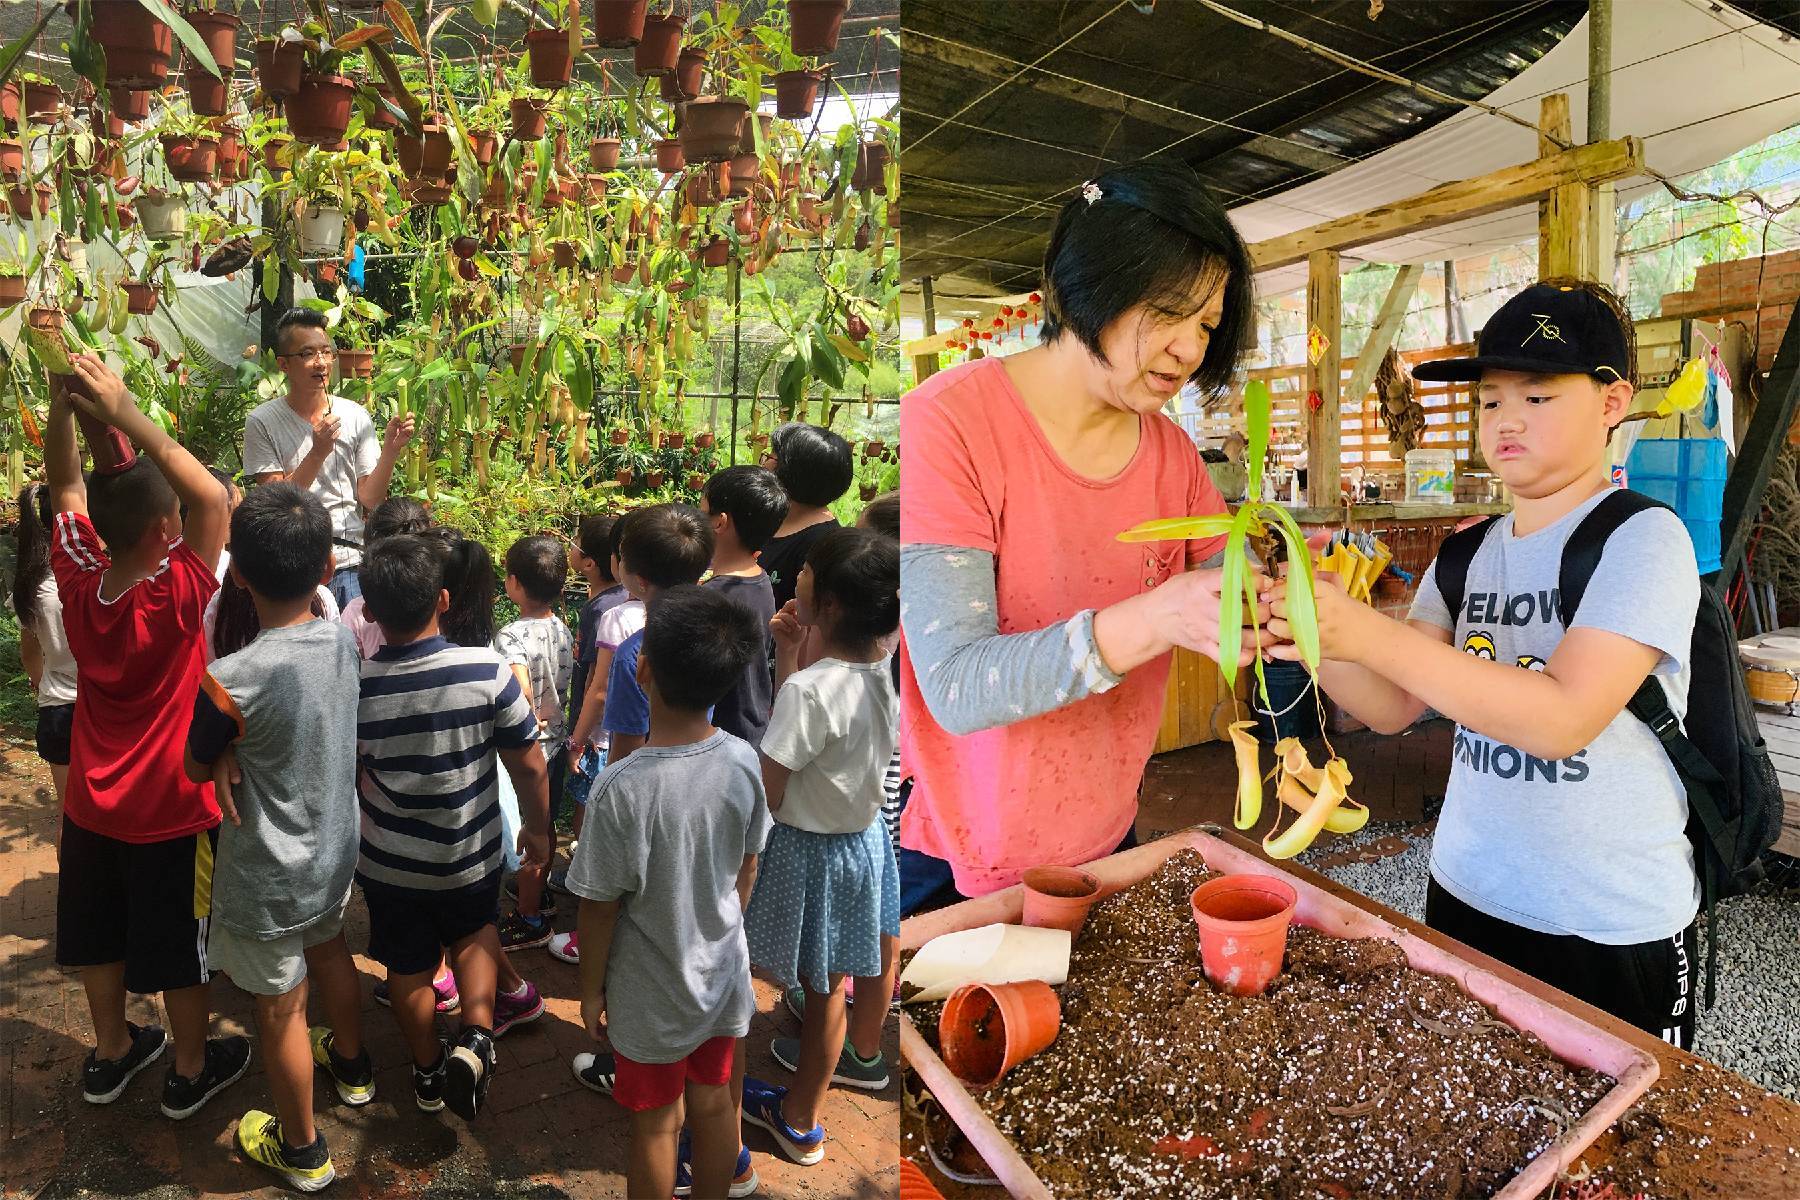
x=1550 y=332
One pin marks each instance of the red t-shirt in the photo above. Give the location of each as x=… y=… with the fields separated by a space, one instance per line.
x=138 y=662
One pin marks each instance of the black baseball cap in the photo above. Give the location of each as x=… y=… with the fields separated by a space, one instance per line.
x=1547 y=329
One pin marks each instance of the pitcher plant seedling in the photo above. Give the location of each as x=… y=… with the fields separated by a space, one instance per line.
x=1319 y=795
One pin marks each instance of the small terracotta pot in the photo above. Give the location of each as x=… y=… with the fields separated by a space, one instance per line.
x=674 y=441
x=138 y=45
x=695 y=480
x=1055 y=897
x=518 y=353
x=483 y=144
x=660 y=48
x=815 y=25
x=565 y=254
x=12 y=158
x=987 y=1029
x=192 y=159
x=140 y=299
x=619 y=23
x=42 y=101
x=128 y=104
x=603 y=153
x=654 y=479
x=279 y=66
x=551 y=64
x=12 y=290
x=690 y=70
x=528 y=117
x=711 y=128
x=623 y=272
x=219 y=30
x=796 y=92
x=704 y=441
x=319 y=112
x=716 y=254
x=1243 y=922
x=356 y=364
x=669 y=157
x=619 y=437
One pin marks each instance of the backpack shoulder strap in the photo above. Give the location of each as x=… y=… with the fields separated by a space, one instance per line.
x=1581 y=554
x=1451 y=570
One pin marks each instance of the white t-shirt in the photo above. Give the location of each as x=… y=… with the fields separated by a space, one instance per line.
x=276 y=438
x=618 y=623
x=835 y=726
x=57 y=684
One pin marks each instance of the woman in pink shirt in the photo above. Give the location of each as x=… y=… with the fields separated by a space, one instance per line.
x=1037 y=645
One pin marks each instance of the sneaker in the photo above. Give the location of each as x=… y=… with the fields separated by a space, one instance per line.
x=428 y=1083
x=743 y=1183
x=597 y=1071
x=525 y=1007
x=103 y=1080
x=470 y=1072
x=762 y=1108
x=259 y=1137
x=227 y=1058
x=520 y=932
x=354 y=1077
x=851 y=1071
x=547 y=897
x=558 y=883
x=566 y=946
x=448 y=1000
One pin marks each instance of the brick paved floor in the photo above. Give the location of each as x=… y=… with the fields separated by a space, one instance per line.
x=542 y=1136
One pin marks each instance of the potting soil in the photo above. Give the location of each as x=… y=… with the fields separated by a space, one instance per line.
x=1352 y=1076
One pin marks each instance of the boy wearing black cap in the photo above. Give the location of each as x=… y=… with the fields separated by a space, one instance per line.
x=1561 y=849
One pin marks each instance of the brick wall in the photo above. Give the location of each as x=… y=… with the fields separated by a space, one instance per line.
x=1728 y=291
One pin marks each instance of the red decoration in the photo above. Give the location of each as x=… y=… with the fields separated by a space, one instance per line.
x=1314 y=401
x=1036 y=299
x=968 y=322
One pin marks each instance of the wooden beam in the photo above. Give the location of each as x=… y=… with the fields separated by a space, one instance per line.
x=1381 y=337
x=1566 y=213
x=1778 y=401
x=1325 y=424
x=1494 y=192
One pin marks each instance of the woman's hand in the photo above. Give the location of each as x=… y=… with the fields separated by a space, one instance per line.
x=1186 y=613
x=1343 y=629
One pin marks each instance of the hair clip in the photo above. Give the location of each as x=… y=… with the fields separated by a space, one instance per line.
x=1091 y=192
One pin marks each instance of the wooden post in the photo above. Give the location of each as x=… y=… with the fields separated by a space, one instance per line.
x=926 y=365
x=1599 y=128
x=1456 y=324
x=1565 y=215
x=1382 y=335
x=1324 y=425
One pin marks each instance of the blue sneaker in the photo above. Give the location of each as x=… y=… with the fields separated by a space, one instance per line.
x=743 y=1183
x=762 y=1108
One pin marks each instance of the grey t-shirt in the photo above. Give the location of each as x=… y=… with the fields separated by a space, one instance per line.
x=288 y=702
x=276 y=438
x=1594 y=844
x=667 y=830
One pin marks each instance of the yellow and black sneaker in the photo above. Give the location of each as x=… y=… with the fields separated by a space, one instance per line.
x=354 y=1077
x=308 y=1168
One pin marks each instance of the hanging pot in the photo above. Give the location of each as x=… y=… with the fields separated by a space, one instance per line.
x=603 y=153
x=431 y=191
x=321 y=230
x=712 y=128
x=9 y=103
x=744 y=171
x=127 y=104
x=27 y=202
x=279 y=65
x=483 y=144
x=278 y=154
x=12 y=290
x=690 y=70
x=619 y=437
x=529 y=115
x=747 y=142
x=697 y=190
x=12 y=158
x=704 y=441
x=228 y=145
x=138 y=46
x=552 y=66
x=219 y=30
x=436 y=151
x=814 y=26
x=674 y=440
x=669 y=157
x=623 y=477
x=192 y=159
x=654 y=479
x=140 y=298
x=319 y=112
x=493 y=193
x=164 y=215
x=355 y=364
x=619 y=23
x=592 y=189
x=43 y=101
x=409 y=152
x=377 y=116
x=660 y=47
x=796 y=92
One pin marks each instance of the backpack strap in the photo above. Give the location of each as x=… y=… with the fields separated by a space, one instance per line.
x=1581 y=554
x=1451 y=571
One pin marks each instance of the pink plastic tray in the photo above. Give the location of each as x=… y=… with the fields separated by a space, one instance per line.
x=1568 y=1036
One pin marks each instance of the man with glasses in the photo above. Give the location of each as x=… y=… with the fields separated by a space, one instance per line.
x=323 y=443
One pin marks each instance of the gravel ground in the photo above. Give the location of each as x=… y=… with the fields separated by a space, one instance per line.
x=1753 y=1029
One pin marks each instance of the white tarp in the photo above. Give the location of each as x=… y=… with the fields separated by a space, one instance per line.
x=1696 y=84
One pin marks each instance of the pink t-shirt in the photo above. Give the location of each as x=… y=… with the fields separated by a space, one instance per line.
x=369 y=638
x=1060 y=788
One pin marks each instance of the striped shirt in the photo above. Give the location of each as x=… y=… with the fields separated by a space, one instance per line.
x=431 y=718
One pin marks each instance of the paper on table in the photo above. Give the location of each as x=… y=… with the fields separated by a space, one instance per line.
x=989 y=954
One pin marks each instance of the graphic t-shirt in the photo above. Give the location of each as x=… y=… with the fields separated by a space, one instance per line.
x=1593 y=844
x=783 y=557
x=744 y=710
x=139 y=657
x=546 y=649
x=276 y=438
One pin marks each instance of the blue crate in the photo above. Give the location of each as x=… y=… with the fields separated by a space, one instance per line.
x=1687 y=474
x=1707 y=551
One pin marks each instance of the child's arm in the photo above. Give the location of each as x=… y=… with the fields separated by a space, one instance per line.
x=593 y=705
x=746 y=880
x=1548 y=714
x=208 y=519
x=31 y=656
x=790 y=637
x=531 y=781
x=775 y=780
x=595 y=926
x=62 y=457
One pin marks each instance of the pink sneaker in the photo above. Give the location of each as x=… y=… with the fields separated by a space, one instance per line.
x=565 y=947
x=448 y=999
x=516 y=1010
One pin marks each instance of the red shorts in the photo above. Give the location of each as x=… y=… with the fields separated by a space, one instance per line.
x=641 y=1087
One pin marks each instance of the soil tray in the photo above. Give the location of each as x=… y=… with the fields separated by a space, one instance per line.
x=1378 y=1064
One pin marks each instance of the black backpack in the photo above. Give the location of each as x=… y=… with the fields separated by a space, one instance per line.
x=1734 y=795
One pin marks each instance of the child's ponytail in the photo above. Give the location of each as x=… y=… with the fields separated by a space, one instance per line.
x=856 y=586
x=469 y=578
x=32 y=559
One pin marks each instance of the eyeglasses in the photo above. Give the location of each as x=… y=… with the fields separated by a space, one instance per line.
x=326 y=354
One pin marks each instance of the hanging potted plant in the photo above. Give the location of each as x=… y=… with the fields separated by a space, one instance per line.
x=163 y=213
x=712 y=127
x=190 y=150
x=43 y=98
x=552 y=51
x=529 y=115
x=608 y=141
x=319 y=112
x=12 y=158
x=280 y=62
x=619 y=23
x=814 y=25
x=660 y=48
x=138 y=46
x=12 y=284
x=127 y=104
x=669 y=158
x=209 y=91
x=140 y=297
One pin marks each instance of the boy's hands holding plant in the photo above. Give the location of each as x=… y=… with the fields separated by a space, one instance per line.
x=1346 y=626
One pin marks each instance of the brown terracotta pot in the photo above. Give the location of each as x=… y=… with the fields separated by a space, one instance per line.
x=436 y=151
x=696 y=481
x=744 y=171
x=192 y=159
x=319 y=112
x=592 y=189
x=623 y=272
x=518 y=352
x=660 y=47
x=619 y=23
x=814 y=25
x=623 y=477
x=603 y=153
x=552 y=66
x=669 y=157
x=747 y=144
x=138 y=46
x=717 y=253
x=128 y=104
x=619 y=437
x=796 y=92
x=219 y=30
x=12 y=158
x=704 y=441
x=690 y=70
x=277 y=154
x=279 y=66
x=529 y=115
x=376 y=116
x=712 y=128
x=654 y=479
x=24 y=200
x=674 y=441
x=140 y=299
x=9 y=102
x=431 y=191
x=42 y=102
x=12 y=290
x=484 y=144
x=871 y=167
x=356 y=364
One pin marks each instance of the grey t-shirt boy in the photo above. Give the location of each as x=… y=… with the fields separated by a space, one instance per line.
x=1594 y=844
x=288 y=703
x=666 y=833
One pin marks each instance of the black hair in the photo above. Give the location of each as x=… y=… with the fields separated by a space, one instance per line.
x=122 y=506
x=397 y=514
x=469 y=578
x=594 y=534
x=226 y=479
x=281 y=541
x=1153 y=238
x=814 y=464
x=541 y=566
x=667 y=544
x=882 y=514
x=697 y=642
x=857 y=572
x=754 y=500
x=298 y=318
x=615 y=541
x=31 y=558
x=235 y=623
x=401 y=577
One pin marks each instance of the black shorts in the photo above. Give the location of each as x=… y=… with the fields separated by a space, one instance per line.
x=145 y=904
x=56 y=722
x=410 y=928
x=1651 y=985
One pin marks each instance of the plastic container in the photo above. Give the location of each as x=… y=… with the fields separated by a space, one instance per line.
x=1430 y=476
x=1291 y=710
x=1243 y=922
x=1687 y=474
x=1059 y=897
x=987 y=1029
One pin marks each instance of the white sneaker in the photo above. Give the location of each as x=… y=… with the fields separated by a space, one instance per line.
x=565 y=947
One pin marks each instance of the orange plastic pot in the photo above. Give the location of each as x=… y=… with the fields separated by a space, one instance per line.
x=1058 y=897
x=1243 y=922
x=279 y=65
x=690 y=69
x=128 y=104
x=319 y=112
x=669 y=157
x=987 y=1029
x=528 y=117
x=137 y=44
x=603 y=153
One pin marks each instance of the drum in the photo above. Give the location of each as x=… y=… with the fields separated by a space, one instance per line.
x=1772 y=669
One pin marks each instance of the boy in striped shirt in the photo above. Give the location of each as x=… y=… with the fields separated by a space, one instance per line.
x=433 y=719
